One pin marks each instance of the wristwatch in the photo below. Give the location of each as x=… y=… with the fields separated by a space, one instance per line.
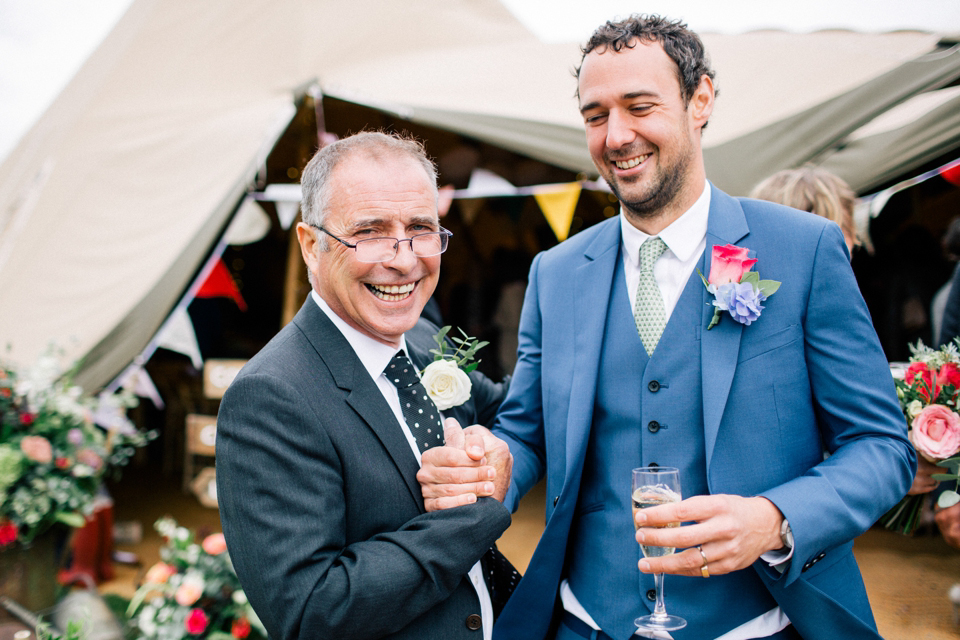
x=786 y=534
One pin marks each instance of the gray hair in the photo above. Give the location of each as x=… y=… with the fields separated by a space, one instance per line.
x=315 y=181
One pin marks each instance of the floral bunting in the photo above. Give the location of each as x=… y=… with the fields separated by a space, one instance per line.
x=220 y=284
x=177 y=334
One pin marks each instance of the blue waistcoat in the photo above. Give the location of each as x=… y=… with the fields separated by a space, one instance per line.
x=648 y=410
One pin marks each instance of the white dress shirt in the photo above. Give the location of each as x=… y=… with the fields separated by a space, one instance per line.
x=686 y=238
x=375 y=356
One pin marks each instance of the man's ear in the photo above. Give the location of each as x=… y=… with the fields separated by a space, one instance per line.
x=701 y=104
x=308 y=246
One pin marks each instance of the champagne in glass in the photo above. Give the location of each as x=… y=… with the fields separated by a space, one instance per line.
x=653 y=486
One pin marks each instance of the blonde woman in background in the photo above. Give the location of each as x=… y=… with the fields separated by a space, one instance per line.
x=815 y=190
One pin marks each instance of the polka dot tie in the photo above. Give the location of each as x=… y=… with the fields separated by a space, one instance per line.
x=419 y=411
x=648 y=310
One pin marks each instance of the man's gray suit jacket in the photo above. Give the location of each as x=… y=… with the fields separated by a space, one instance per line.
x=320 y=506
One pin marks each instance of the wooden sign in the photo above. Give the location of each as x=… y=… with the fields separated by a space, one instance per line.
x=201 y=434
x=218 y=374
x=204 y=486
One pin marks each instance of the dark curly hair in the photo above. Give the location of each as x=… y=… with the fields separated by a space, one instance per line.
x=680 y=43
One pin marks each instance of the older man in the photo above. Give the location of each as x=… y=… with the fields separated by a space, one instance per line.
x=622 y=366
x=316 y=455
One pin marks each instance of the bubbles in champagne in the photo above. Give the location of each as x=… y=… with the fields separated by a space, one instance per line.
x=652 y=496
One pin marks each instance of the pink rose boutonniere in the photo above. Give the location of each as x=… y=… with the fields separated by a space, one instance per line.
x=736 y=289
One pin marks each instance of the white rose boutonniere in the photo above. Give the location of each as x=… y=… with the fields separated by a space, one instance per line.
x=446 y=379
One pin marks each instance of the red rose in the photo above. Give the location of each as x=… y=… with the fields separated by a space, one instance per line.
x=240 y=628
x=8 y=533
x=197 y=622
x=949 y=376
x=923 y=380
x=26 y=419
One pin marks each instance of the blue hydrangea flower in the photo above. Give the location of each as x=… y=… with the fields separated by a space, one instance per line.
x=741 y=300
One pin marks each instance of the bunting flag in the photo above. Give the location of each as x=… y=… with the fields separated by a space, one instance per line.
x=136 y=379
x=220 y=284
x=875 y=202
x=250 y=224
x=951 y=173
x=558 y=206
x=177 y=334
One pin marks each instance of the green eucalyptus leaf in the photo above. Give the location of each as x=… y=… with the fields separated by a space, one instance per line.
x=471 y=367
x=948 y=499
x=940 y=477
x=769 y=287
x=750 y=276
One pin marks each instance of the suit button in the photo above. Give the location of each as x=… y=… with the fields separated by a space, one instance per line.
x=555 y=500
x=652 y=595
x=653 y=465
x=654 y=386
x=653 y=426
x=474 y=622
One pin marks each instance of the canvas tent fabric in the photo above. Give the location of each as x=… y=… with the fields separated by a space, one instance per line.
x=112 y=201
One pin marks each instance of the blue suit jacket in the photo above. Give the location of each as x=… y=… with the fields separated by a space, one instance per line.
x=808 y=376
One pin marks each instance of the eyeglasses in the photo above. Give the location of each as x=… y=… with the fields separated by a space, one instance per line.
x=423 y=245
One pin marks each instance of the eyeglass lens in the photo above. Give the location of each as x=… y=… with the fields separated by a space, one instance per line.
x=381 y=249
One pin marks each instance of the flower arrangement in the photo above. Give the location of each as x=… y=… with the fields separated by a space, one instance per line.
x=56 y=445
x=929 y=393
x=735 y=288
x=193 y=591
x=446 y=379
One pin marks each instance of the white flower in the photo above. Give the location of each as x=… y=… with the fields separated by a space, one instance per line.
x=446 y=383
x=914 y=408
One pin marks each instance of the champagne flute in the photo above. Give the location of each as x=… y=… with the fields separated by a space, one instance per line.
x=654 y=486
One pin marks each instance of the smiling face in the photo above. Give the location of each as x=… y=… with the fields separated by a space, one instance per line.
x=642 y=135
x=388 y=195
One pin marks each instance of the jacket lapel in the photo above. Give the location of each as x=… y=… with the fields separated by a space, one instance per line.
x=593 y=284
x=720 y=347
x=363 y=395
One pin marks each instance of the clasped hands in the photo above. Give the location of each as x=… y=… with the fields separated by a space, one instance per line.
x=472 y=463
x=729 y=533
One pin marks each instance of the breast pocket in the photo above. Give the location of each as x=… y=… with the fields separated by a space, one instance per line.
x=751 y=347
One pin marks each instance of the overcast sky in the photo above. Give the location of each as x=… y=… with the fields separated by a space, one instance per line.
x=43 y=42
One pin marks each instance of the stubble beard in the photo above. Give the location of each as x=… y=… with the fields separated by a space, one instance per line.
x=655 y=200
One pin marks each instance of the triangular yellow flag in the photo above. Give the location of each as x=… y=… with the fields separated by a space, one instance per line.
x=558 y=206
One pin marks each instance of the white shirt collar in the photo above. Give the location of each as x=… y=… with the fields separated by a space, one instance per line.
x=682 y=237
x=373 y=354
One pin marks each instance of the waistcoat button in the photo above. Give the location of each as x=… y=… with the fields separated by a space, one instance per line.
x=653 y=426
x=474 y=622
x=654 y=386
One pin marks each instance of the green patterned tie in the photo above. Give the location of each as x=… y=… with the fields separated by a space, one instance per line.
x=648 y=309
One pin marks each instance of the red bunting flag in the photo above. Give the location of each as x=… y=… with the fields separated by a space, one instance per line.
x=220 y=284
x=951 y=174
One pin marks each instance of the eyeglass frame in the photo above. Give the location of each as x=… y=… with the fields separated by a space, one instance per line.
x=396 y=247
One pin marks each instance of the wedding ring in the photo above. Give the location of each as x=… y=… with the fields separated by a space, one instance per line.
x=704 y=571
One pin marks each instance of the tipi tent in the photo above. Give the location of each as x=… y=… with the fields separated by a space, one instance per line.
x=112 y=201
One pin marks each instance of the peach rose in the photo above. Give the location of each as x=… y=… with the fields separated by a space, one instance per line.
x=37 y=448
x=189 y=590
x=936 y=432
x=159 y=573
x=214 y=544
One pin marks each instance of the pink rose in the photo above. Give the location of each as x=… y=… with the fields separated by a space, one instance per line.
x=159 y=573
x=214 y=544
x=197 y=622
x=923 y=380
x=189 y=590
x=37 y=448
x=728 y=264
x=936 y=432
